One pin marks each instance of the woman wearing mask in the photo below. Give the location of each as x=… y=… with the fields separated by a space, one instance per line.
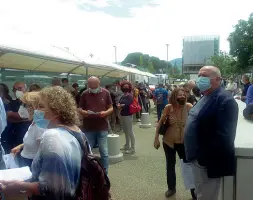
x=177 y=112
x=26 y=152
x=126 y=117
x=57 y=165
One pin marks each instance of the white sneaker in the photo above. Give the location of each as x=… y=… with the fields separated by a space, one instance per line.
x=124 y=148
x=130 y=151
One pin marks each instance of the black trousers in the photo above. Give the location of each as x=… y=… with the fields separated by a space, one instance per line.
x=170 y=155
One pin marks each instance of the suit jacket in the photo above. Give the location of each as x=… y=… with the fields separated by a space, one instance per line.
x=216 y=134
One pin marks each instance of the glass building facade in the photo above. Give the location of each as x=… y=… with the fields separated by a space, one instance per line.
x=197 y=52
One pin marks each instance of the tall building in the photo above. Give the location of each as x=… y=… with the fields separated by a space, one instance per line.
x=197 y=52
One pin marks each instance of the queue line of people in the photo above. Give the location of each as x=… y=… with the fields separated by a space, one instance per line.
x=54 y=109
x=56 y=167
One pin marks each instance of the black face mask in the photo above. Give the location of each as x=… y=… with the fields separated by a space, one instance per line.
x=125 y=90
x=181 y=101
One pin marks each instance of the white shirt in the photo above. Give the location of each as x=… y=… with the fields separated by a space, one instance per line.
x=33 y=135
x=3 y=119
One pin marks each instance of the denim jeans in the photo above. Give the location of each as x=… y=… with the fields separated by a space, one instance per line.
x=101 y=138
x=159 y=108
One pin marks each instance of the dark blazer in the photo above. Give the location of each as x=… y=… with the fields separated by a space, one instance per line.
x=216 y=134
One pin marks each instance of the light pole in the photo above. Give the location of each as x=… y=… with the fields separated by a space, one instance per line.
x=115 y=53
x=167 y=46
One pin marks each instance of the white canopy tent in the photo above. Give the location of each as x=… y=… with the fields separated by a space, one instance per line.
x=60 y=62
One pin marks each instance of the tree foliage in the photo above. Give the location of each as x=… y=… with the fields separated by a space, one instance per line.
x=226 y=63
x=241 y=43
x=149 y=63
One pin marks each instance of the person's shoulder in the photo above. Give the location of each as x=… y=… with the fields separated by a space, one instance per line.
x=225 y=96
x=188 y=105
x=105 y=91
x=250 y=87
x=86 y=91
x=168 y=106
x=50 y=134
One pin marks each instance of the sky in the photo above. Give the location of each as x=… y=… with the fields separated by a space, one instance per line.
x=94 y=26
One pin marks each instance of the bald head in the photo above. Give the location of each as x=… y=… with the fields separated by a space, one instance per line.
x=191 y=84
x=214 y=75
x=210 y=71
x=93 y=82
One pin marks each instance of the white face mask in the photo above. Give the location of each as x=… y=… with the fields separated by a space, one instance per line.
x=19 y=94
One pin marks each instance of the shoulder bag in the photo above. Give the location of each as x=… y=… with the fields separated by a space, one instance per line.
x=164 y=125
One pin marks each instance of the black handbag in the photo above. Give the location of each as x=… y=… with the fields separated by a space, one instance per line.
x=164 y=126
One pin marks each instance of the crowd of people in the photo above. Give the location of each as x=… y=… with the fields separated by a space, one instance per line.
x=201 y=118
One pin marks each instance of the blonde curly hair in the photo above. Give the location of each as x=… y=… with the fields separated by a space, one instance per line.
x=31 y=99
x=62 y=104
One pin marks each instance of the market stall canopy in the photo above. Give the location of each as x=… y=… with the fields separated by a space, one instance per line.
x=53 y=59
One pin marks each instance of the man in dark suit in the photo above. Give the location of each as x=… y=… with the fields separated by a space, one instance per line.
x=210 y=134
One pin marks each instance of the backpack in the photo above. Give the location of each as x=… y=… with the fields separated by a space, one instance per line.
x=159 y=99
x=94 y=183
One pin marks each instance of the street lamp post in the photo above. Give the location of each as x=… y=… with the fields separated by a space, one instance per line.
x=167 y=46
x=115 y=53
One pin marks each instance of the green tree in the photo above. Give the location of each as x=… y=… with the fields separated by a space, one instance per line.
x=132 y=58
x=241 y=43
x=225 y=63
x=142 y=61
x=151 y=68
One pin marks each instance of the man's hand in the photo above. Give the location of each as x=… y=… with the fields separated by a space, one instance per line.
x=238 y=97
x=84 y=113
x=119 y=106
x=103 y=114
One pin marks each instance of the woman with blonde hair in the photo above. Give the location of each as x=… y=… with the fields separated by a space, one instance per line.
x=57 y=165
x=26 y=152
x=176 y=112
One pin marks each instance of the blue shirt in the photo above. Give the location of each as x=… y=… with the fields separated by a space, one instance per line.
x=245 y=89
x=191 y=130
x=3 y=120
x=161 y=96
x=249 y=96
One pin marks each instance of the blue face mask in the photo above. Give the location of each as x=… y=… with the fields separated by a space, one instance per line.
x=203 y=83
x=94 y=91
x=39 y=119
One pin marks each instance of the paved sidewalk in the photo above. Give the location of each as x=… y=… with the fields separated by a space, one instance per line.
x=142 y=176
